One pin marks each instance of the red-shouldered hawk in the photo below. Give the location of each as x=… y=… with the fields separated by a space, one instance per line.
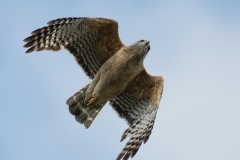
x=117 y=74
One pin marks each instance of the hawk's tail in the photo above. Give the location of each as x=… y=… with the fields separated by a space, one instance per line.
x=84 y=114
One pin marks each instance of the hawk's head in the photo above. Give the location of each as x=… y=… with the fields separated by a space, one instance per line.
x=138 y=50
x=145 y=44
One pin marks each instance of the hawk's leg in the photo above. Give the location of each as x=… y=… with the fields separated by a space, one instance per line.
x=91 y=88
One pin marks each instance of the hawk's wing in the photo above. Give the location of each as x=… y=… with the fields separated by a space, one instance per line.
x=138 y=105
x=90 y=40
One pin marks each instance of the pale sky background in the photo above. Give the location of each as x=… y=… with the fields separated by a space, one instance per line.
x=195 y=46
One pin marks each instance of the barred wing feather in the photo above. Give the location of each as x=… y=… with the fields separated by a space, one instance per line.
x=90 y=40
x=139 y=113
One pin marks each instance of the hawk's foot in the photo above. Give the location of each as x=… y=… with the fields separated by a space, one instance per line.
x=91 y=100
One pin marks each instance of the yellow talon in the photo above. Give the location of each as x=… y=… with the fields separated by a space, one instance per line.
x=88 y=98
x=91 y=101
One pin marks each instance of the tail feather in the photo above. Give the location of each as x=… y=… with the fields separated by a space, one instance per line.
x=83 y=114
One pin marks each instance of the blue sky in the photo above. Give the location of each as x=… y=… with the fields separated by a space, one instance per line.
x=195 y=46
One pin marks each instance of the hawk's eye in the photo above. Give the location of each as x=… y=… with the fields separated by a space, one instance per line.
x=141 y=41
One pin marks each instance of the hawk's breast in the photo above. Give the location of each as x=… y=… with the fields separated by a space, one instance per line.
x=116 y=73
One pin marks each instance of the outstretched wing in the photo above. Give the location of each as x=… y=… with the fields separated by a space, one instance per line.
x=90 y=40
x=138 y=105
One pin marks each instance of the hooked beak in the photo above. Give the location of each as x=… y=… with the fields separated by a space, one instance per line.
x=147 y=43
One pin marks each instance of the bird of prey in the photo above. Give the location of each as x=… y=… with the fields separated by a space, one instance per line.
x=116 y=70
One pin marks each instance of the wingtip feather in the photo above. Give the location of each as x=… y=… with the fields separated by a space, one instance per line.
x=51 y=22
x=134 y=152
x=28 y=39
x=119 y=157
x=29 y=44
x=37 y=31
x=30 y=49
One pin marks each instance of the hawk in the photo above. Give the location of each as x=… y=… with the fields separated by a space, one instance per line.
x=116 y=70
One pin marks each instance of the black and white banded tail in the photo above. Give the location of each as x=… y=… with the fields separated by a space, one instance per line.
x=84 y=114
